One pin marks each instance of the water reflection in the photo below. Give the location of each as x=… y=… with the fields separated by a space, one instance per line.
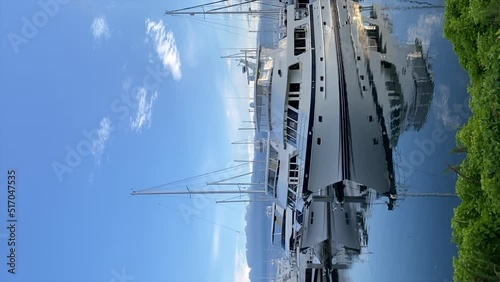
x=400 y=80
x=392 y=94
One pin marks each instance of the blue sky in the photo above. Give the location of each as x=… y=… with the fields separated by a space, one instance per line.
x=102 y=97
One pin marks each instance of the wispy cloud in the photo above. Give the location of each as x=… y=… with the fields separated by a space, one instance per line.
x=100 y=29
x=100 y=139
x=442 y=109
x=216 y=237
x=144 y=110
x=241 y=268
x=165 y=47
x=126 y=84
x=215 y=242
x=427 y=24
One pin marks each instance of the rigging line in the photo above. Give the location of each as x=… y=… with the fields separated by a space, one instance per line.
x=269 y=4
x=235 y=33
x=194 y=177
x=235 y=18
x=197 y=6
x=232 y=5
x=207 y=220
x=215 y=23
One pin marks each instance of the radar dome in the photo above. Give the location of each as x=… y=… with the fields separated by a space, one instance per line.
x=252 y=105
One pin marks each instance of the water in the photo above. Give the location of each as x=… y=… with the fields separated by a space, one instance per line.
x=413 y=242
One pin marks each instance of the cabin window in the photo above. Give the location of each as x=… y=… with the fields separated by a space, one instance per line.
x=273 y=172
x=385 y=65
x=294 y=87
x=292 y=114
x=291 y=198
x=303 y=4
x=292 y=124
x=293 y=174
x=295 y=66
x=299 y=40
x=394 y=103
x=294 y=104
x=395 y=114
x=300 y=34
x=308 y=274
x=390 y=85
x=291 y=132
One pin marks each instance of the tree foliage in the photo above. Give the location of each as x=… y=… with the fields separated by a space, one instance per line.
x=473 y=27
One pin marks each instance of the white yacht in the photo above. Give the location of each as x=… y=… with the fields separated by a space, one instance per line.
x=325 y=134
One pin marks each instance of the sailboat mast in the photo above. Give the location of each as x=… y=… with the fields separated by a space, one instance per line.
x=197 y=192
x=189 y=11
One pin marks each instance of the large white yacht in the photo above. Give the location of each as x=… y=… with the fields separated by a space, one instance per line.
x=324 y=131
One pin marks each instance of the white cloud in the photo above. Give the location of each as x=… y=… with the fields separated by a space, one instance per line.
x=144 y=110
x=100 y=29
x=126 y=84
x=241 y=268
x=165 y=47
x=427 y=24
x=442 y=109
x=215 y=243
x=100 y=140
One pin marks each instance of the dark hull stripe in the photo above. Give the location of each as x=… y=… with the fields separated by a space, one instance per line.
x=307 y=164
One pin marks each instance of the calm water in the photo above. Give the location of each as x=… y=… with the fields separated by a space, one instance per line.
x=413 y=242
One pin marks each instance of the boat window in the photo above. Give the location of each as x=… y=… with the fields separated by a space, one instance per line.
x=273 y=171
x=292 y=124
x=300 y=40
x=291 y=197
x=294 y=87
x=390 y=85
x=394 y=102
x=395 y=114
x=291 y=133
x=292 y=113
x=295 y=66
x=308 y=275
x=303 y=4
x=294 y=104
